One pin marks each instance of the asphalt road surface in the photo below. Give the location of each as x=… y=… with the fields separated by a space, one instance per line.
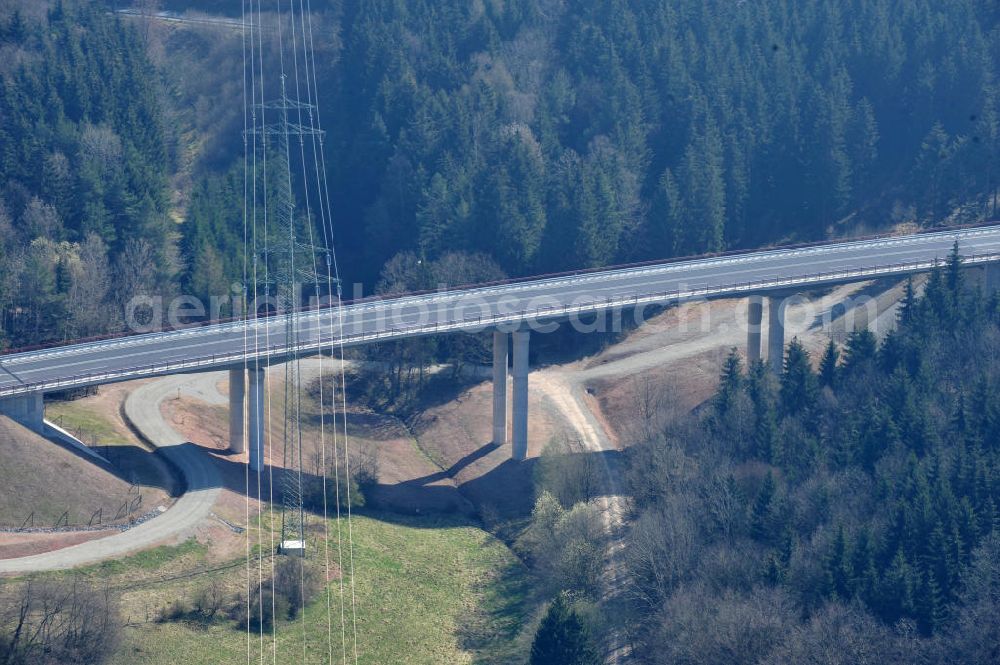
x=142 y=408
x=530 y=302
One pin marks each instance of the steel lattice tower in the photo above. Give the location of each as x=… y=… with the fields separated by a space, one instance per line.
x=289 y=262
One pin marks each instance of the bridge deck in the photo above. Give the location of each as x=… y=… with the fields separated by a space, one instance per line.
x=222 y=345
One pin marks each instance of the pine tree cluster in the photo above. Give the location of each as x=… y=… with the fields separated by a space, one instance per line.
x=873 y=479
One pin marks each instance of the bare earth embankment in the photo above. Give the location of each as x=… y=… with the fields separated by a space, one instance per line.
x=594 y=405
x=442 y=460
x=61 y=496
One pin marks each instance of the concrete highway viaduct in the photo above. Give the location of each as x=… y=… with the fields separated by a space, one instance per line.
x=512 y=310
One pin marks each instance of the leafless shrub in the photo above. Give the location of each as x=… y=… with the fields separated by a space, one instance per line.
x=337 y=485
x=366 y=467
x=210 y=601
x=570 y=477
x=698 y=627
x=49 y=623
x=297 y=582
x=264 y=606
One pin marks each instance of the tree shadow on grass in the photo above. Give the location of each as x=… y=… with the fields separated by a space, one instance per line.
x=492 y=628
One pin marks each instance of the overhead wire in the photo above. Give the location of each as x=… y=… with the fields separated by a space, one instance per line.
x=265 y=439
x=332 y=278
x=323 y=217
x=312 y=273
x=255 y=442
x=246 y=350
x=323 y=183
x=340 y=337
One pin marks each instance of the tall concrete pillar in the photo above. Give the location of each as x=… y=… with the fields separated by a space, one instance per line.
x=500 y=342
x=755 y=313
x=237 y=409
x=519 y=420
x=255 y=416
x=991 y=277
x=28 y=410
x=776 y=333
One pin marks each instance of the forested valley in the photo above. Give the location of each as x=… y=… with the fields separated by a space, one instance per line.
x=845 y=510
x=548 y=135
x=84 y=167
x=840 y=515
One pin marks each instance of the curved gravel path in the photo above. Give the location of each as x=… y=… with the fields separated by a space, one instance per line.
x=202 y=482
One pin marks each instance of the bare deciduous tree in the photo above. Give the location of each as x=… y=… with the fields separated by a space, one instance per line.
x=662 y=550
x=49 y=623
x=974 y=635
x=571 y=477
x=40 y=220
x=698 y=627
x=136 y=271
x=298 y=582
x=101 y=146
x=839 y=635
x=87 y=301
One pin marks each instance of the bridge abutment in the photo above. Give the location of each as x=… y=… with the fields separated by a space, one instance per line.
x=755 y=314
x=500 y=344
x=255 y=416
x=237 y=410
x=776 y=333
x=28 y=410
x=519 y=419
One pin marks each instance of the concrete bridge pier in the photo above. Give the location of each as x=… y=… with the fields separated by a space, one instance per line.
x=237 y=409
x=519 y=419
x=991 y=277
x=776 y=333
x=27 y=409
x=500 y=344
x=755 y=313
x=255 y=416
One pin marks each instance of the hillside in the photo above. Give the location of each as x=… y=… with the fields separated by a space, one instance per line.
x=847 y=505
x=47 y=479
x=429 y=590
x=558 y=135
x=546 y=135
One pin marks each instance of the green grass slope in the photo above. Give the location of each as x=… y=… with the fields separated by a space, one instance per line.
x=427 y=590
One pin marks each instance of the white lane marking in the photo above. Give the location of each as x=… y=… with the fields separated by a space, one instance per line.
x=215 y=335
x=216 y=361
x=513 y=289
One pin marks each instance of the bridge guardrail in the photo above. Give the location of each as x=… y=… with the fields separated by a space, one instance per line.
x=660 y=264
x=538 y=314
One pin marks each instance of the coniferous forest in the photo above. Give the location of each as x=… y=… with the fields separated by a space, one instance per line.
x=547 y=134
x=846 y=510
x=852 y=507
x=84 y=167
x=559 y=135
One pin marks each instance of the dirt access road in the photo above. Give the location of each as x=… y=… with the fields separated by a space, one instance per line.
x=142 y=408
x=684 y=346
x=662 y=344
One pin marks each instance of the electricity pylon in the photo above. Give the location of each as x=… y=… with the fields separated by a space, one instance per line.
x=289 y=261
